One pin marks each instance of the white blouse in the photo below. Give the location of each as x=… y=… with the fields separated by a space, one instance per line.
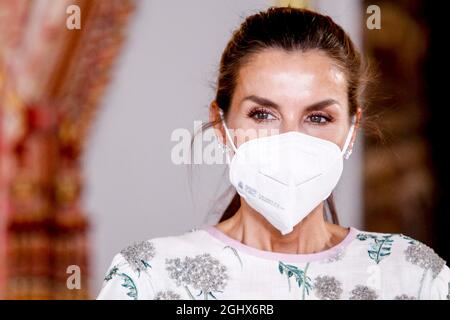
x=205 y=263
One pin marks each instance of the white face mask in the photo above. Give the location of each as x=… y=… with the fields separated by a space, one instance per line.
x=285 y=176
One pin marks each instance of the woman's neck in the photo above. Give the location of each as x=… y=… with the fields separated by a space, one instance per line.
x=313 y=234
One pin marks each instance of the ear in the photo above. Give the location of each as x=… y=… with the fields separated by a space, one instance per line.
x=358 y=116
x=355 y=131
x=214 y=117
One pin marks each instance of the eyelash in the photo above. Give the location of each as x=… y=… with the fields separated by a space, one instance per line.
x=327 y=118
x=261 y=110
x=257 y=111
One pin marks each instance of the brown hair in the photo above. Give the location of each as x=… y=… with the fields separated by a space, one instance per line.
x=290 y=29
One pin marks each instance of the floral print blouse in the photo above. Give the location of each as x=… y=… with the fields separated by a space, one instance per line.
x=205 y=263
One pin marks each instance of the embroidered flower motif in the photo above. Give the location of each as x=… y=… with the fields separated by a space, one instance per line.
x=424 y=257
x=448 y=295
x=327 y=288
x=203 y=272
x=138 y=255
x=404 y=297
x=361 y=292
x=337 y=256
x=167 y=295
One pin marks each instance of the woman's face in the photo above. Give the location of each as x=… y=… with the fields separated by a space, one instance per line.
x=290 y=91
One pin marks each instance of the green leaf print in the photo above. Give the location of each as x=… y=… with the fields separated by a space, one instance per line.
x=145 y=265
x=111 y=273
x=303 y=281
x=362 y=236
x=280 y=267
x=130 y=285
x=206 y=295
x=236 y=254
x=127 y=281
x=211 y=294
x=380 y=247
x=410 y=240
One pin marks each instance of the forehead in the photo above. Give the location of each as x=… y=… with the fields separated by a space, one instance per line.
x=295 y=75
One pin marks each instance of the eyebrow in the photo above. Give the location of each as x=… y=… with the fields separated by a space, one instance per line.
x=268 y=103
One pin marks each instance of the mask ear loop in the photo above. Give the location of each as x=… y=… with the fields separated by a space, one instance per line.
x=228 y=135
x=346 y=152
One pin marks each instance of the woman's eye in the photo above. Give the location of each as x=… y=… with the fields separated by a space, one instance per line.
x=318 y=119
x=261 y=115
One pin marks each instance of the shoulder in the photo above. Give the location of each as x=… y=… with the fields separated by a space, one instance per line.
x=162 y=247
x=401 y=248
x=137 y=270
x=411 y=260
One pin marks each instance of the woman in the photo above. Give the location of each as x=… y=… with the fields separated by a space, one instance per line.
x=294 y=79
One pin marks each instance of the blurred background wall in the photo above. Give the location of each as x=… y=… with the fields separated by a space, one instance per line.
x=406 y=172
x=52 y=78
